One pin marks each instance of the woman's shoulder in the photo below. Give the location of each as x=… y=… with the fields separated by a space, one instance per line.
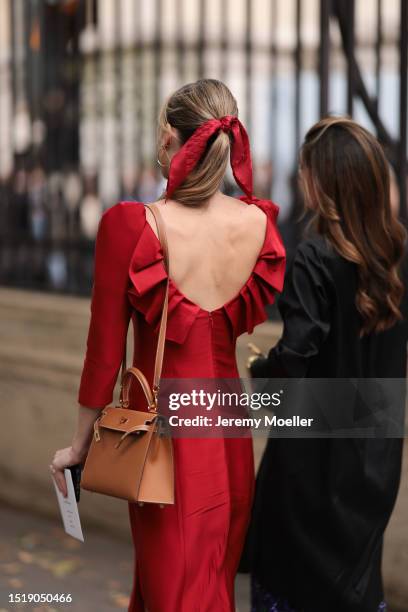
x=269 y=208
x=120 y=227
x=317 y=247
x=124 y=210
x=316 y=254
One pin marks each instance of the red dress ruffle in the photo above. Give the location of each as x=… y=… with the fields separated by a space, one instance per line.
x=244 y=311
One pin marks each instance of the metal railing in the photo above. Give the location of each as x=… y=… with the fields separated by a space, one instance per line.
x=88 y=78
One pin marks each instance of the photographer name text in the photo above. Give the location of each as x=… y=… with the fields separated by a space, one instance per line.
x=254 y=422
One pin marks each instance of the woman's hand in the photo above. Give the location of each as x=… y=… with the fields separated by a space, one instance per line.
x=255 y=355
x=64 y=458
x=78 y=450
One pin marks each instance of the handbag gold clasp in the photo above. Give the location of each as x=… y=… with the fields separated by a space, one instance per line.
x=97 y=435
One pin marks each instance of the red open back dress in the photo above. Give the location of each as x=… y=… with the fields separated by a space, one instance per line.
x=186 y=555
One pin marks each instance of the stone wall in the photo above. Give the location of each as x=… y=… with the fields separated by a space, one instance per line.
x=41 y=353
x=41 y=356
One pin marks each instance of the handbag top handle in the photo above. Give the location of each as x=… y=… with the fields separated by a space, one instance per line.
x=158 y=364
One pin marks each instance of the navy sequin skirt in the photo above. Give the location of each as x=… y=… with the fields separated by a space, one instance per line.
x=262 y=601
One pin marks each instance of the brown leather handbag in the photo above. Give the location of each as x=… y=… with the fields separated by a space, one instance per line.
x=130 y=456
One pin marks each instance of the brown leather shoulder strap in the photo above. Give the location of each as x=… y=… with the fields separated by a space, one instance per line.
x=161 y=231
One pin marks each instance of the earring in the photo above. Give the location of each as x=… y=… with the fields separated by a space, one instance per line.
x=158 y=158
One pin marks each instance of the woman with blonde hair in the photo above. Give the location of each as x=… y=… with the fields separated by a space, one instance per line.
x=226 y=263
x=322 y=505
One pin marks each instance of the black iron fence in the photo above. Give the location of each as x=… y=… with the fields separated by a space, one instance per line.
x=82 y=83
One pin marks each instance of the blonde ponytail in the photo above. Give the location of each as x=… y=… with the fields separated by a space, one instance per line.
x=187 y=109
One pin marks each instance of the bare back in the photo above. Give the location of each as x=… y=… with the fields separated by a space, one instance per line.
x=213 y=249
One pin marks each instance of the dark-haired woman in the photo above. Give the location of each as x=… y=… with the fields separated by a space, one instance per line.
x=226 y=263
x=322 y=505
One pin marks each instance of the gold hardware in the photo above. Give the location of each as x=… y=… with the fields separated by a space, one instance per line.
x=96 y=429
x=161 y=506
x=251 y=359
x=123 y=403
x=256 y=354
x=255 y=349
x=141 y=503
x=155 y=396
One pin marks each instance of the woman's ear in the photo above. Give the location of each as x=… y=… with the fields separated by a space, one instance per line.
x=165 y=139
x=169 y=144
x=171 y=140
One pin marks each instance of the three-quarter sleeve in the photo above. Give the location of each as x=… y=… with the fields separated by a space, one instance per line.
x=305 y=309
x=110 y=309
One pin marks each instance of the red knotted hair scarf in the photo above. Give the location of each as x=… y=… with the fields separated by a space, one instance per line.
x=191 y=152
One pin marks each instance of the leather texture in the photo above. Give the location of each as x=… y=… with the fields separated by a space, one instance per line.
x=129 y=456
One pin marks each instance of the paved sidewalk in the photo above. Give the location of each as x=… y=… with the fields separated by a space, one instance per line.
x=36 y=556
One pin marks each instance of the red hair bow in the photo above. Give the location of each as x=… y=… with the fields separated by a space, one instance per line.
x=191 y=152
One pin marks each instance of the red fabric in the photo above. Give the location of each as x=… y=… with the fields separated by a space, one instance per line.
x=184 y=161
x=186 y=556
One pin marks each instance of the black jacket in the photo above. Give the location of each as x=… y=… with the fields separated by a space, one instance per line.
x=322 y=505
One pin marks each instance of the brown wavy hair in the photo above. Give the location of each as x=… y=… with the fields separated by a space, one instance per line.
x=345 y=180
